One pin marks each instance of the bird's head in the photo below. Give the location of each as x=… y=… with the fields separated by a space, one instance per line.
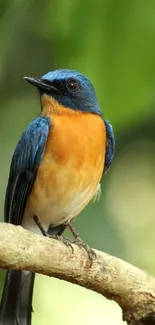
x=70 y=88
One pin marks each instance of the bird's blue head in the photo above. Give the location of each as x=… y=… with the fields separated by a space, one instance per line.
x=70 y=88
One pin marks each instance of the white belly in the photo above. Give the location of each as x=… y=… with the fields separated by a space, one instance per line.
x=54 y=215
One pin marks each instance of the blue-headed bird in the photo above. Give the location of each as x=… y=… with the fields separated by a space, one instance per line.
x=55 y=171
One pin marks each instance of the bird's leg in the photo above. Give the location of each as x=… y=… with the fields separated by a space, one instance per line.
x=73 y=230
x=64 y=240
x=37 y=221
x=78 y=241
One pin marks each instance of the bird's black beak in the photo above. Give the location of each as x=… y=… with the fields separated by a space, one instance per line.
x=41 y=84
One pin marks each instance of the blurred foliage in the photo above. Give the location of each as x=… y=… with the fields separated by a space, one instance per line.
x=113 y=43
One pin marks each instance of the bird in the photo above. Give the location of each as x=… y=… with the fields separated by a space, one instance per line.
x=55 y=172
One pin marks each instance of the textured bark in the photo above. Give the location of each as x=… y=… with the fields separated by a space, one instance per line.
x=132 y=288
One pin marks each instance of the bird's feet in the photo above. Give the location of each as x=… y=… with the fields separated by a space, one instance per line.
x=78 y=241
x=64 y=240
x=91 y=254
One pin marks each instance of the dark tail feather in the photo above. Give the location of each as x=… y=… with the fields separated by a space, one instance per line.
x=16 y=303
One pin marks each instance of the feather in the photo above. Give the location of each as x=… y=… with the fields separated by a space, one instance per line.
x=110 y=146
x=26 y=159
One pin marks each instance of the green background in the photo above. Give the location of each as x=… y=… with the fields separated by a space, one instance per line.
x=113 y=43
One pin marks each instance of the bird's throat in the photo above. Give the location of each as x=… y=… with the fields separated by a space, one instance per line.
x=50 y=105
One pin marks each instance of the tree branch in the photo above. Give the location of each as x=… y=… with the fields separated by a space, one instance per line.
x=130 y=287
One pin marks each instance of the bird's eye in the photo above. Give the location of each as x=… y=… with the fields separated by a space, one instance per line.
x=72 y=84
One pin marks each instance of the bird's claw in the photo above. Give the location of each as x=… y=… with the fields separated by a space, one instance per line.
x=91 y=254
x=66 y=241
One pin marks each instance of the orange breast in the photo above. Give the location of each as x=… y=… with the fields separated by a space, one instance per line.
x=71 y=168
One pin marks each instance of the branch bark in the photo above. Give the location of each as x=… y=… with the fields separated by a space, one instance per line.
x=132 y=288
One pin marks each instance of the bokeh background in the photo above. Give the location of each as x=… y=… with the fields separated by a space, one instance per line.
x=113 y=43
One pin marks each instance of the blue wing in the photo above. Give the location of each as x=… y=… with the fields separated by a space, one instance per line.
x=110 y=146
x=25 y=162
